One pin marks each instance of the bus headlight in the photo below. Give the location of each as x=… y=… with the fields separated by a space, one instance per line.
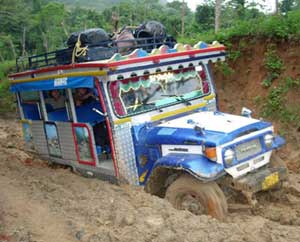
x=268 y=139
x=229 y=156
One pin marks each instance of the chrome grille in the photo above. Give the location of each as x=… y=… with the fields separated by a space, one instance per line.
x=247 y=149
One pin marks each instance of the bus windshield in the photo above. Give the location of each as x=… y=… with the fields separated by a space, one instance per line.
x=146 y=93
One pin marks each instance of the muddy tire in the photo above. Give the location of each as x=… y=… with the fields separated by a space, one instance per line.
x=188 y=193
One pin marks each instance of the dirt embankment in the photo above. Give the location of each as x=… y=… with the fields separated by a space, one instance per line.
x=240 y=85
x=41 y=203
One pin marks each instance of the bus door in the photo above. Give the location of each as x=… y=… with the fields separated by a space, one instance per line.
x=90 y=131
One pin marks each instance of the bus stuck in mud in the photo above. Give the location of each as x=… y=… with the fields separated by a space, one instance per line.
x=146 y=114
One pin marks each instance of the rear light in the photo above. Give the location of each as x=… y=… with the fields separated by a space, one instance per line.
x=210 y=153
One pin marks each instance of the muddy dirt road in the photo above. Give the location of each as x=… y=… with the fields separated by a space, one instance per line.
x=41 y=203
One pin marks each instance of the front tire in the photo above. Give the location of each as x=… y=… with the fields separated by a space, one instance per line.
x=188 y=193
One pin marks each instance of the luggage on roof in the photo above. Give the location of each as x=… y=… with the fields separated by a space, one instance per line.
x=150 y=29
x=94 y=36
x=96 y=44
x=125 y=40
x=150 y=35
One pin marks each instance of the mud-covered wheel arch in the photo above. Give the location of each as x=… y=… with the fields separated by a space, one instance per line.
x=160 y=179
x=189 y=193
x=175 y=184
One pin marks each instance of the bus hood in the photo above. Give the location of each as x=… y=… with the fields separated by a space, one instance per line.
x=218 y=128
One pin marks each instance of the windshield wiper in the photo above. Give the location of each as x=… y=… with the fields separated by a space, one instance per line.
x=153 y=106
x=179 y=98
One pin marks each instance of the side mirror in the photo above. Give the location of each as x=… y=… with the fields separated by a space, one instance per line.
x=200 y=130
x=246 y=112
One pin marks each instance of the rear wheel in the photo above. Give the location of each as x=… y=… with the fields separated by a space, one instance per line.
x=188 y=193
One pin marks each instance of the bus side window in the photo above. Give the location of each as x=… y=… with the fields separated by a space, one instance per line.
x=83 y=96
x=55 y=102
x=30 y=104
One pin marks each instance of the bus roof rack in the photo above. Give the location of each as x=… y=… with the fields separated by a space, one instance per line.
x=102 y=51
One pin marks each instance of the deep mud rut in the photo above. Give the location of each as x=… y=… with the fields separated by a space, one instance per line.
x=42 y=203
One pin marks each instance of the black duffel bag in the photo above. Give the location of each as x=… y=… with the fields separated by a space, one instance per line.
x=150 y=29
x=150 y=35
x=95 y=36
x=94 y=53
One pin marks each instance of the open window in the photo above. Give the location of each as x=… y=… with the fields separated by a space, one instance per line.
x=57 y=107
x=30 y=104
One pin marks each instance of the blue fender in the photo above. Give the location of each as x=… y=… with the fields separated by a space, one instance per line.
x=197 y=165
x=278 y=142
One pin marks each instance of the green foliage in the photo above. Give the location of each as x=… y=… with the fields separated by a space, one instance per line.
x=257 y=100
x=289 y=5
x=225 y=68
x=34 y=26
x=204 y=16
x=267 y=26
x=5 y=68
x=234 y=55
x=275 y=105
x=90 y=4
x=6 y=97
x=273 y=65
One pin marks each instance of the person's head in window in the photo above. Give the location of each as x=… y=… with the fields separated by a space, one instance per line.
x=55 y=94
x=83 y=96
x=55 y=99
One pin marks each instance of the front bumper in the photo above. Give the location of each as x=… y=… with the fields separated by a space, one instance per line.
x=263 y=179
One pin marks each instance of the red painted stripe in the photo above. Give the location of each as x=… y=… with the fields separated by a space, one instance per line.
x=111 y=142
x=155 y=58
x=56 y=68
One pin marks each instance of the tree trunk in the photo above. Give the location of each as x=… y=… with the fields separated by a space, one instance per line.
x=64 y=28
x=182 y=17
x=217 y=15
x=276 y=7
x=115 y=20
x=1 y=57
x=13 y=49
x=45 y=41
x=24 y=42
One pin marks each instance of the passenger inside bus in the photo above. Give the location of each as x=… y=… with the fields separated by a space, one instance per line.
x=55 y=99
x=83 y=96
x=55 y=102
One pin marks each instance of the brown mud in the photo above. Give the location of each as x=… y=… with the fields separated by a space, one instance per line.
x=41 y=203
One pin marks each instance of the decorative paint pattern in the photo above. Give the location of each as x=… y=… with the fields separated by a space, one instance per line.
x=164 y=49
